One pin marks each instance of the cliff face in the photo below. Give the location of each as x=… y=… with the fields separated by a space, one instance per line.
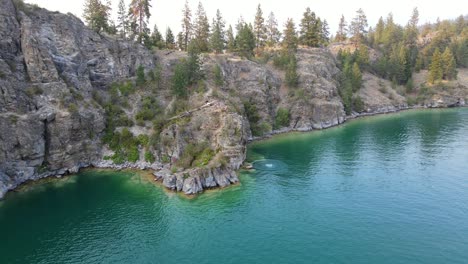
x=50 y=63
x=53 y=70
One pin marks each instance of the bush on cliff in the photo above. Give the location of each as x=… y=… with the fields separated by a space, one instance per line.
x=282 y=118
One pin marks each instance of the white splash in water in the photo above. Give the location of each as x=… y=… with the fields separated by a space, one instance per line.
x=269 y=165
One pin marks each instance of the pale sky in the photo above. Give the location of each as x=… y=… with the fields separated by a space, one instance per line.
x=168 y=12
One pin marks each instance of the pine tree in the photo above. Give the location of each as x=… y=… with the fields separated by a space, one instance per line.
x=156 y=38
x=356 y=77
x=245 y=40
x=201 y=29
x=231 y=40
x=291 y=76
x=411 y=34
x=139 y=14
x=290 y=36
x=379 y=31
x=122 y=19
x=170 y=41
x=341 y=34
x=96 y=14
x=392 y=34
x=273 y=34
x=449 y=65
x=310 y=29
x=181 y=41
x=436 y=71
x=460 y=24
x=325 y=34
x=260 y=29
x=359 y=26
x=217 y=39
x=186 y=27
x=461 y=52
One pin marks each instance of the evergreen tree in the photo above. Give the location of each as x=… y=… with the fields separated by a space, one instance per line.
x=245 y=40
x=181 y=41
x=217 y=39
x=291 y=76
x=436 y=71
x=139 y=14
x=359 y=26
x=290 y=36
x=412 y=31
x=356 y=80
x=379 y=31
x=461 y=52
x=170 y=41
x=449 y=65
x=122 y=19
x=156 y=38
x=361 y=56
x=201 y=29
x=186 y=27
x=460 y=24
x=260 y=30
x=310 y=29
x=97 y=14
x=273 y=34
x=341 y=34
x=411 y=37
x=231 y=40
x=325 y=34
x=392 y=34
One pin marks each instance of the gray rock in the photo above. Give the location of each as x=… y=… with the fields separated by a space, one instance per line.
x=170 y=181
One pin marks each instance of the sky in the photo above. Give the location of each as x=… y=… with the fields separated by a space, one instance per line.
x=168 y=12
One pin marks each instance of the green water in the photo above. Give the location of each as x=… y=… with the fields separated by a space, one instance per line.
x=388 y=189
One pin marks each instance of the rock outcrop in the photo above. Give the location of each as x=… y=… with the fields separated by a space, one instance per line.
x=50 y=64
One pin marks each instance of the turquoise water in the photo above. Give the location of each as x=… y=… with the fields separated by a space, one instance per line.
x=387 y=189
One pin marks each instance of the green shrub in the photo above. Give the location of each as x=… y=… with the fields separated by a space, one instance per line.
x=72 y=108
x=358 y=104
x=118 y=158
x=142 y=140
x=133 y=154
x=409 y=86
x=383 y=89
x=411 y=100
x=263 y=128
x=13 y=118
x=195 y=154
x=204 y=157
x=149 y=157
x=2 y=75
x=218 y=75
x=281 y=61
x=34 y=90
x=140 y=76
x=165 y=159
x=282 y=118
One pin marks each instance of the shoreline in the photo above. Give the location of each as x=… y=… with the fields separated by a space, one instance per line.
x=148 y=171
x=347 y=120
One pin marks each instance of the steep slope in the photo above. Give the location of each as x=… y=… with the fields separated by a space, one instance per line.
x=50 y=63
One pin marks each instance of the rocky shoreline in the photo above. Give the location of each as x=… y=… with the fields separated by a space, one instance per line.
x=195 y=181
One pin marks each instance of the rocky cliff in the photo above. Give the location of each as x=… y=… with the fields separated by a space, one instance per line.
x=60 y=108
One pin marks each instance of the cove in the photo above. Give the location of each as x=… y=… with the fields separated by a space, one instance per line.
x=384 y=189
